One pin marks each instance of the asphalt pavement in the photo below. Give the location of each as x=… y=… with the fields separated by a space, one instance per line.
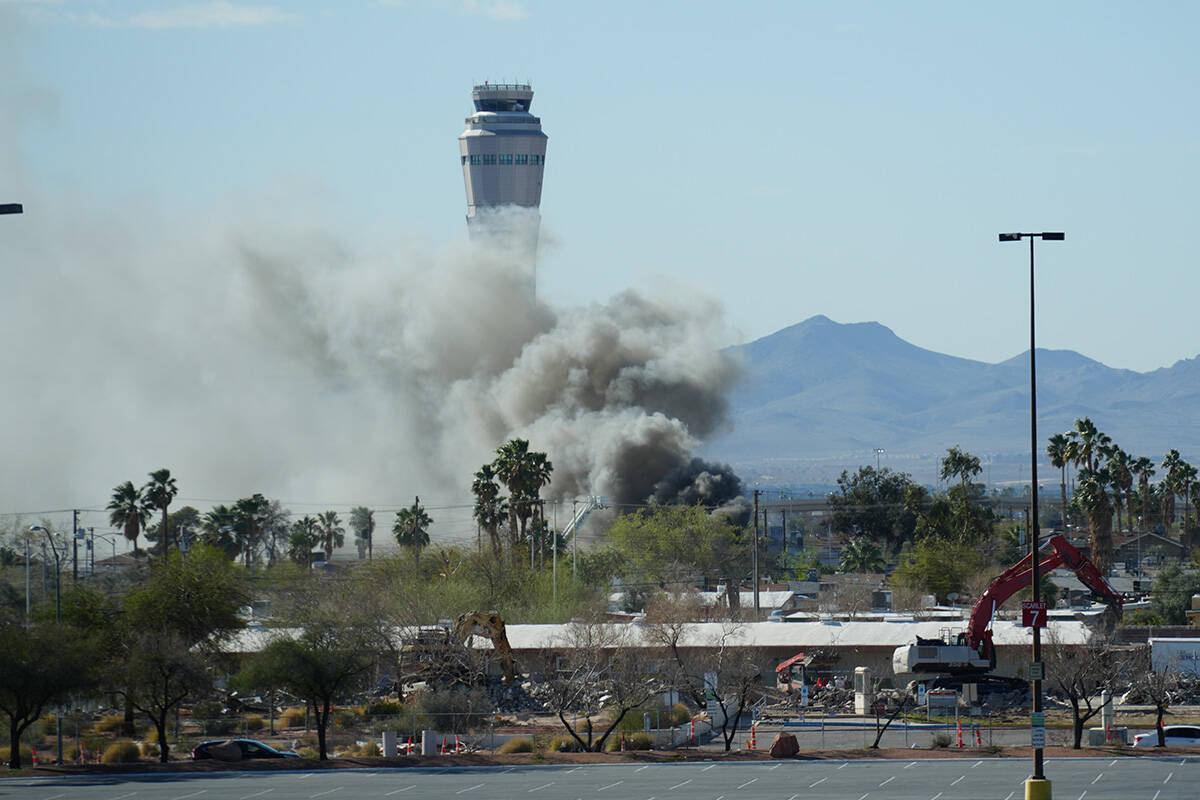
x=935 y=779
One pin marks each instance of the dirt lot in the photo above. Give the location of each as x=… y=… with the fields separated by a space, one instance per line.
x=674 y=756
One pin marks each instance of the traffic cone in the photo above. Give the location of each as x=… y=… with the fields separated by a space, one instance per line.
x=410 y=746
x=692 y=732
x=960 y=734
x=753 y=740
x=622 y=741
x=35 y=756
x=99 y=754
x=457 y=744
x=443 y=745
x=978 y=737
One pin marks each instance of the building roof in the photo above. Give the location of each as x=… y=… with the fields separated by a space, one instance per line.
x=800 y=635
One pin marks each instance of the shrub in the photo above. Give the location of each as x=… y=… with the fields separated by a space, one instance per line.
x=255 y=722
x=940 y=740
x=308 y=752
x=564 y=744
x=108 y=724
x=26 y=755
x=518 y=744
x=149 y=749
x=45 y=727
x=345 y=718
x=638 y=740
x=292 y=718
x=367 y=749
x=121 y=752
x=454 y=710
x=206 y=709
x=383 y=708
x=678 y=714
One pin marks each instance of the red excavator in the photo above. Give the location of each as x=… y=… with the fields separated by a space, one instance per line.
x=971 y=652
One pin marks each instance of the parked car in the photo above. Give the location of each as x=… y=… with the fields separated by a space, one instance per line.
x=238 y=749
x=1175 y=736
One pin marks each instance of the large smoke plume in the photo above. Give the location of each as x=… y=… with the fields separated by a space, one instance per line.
x=254 y=357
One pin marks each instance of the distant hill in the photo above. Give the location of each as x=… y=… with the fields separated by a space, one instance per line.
x=819 y=397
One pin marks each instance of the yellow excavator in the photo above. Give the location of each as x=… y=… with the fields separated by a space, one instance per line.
x=440 y=655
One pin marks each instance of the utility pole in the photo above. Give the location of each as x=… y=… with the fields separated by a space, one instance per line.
x=75 y=545
x=783 y=515
x=754 y=559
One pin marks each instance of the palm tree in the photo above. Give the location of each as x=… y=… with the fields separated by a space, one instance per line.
x=524 y=472
x=1091 y=493
x=1120 y=470
x=862 y=555
x=129 y=511
x=1087 y=443
x=1172 y=482
x=490 y=508
x=1143 y=467
x=249 y=514
x=362 y=522
x=158 y=493
x=306 y=534
x=410 y=529
x=333 y=535
x=1057 y=449
x=217 y=531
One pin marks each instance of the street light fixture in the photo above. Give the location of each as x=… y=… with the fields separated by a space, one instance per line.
x=1037 y=787
x=12 y=208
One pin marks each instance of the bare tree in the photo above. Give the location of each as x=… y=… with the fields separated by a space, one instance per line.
x=597 y=667
x=713 y=670
x=1157 y=686
x=1081 y=673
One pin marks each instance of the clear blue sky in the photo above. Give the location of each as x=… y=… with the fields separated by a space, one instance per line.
x=794 y=158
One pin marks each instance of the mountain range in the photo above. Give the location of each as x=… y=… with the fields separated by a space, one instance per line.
x=820 y=396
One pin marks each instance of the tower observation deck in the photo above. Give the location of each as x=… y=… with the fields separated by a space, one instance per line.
x=503 y=154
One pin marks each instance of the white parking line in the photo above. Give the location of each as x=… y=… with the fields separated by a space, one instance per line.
x=910 y=764
x=327 y=791
x=844 y=765
x=1081 y=796
x=1010 y=794
x=889 y=780
x=398 y=791
x=193 y=794
x=818 y=782
x=471 y=788
x=976 y=764
x=576 y=769
x=939 y=794
x=1112 y=763
x=256 y=794
x=864 y=797
x=956 y=780
x=1156 y=794
x=1098 y=777
x=307 y=775
x=611 y=785
x=120 y=796
x=1169 y=774
x=747 y=783
x=639 y=769
x=706 y=769
x=676 y=786
x=539 y=788
x=777 y=766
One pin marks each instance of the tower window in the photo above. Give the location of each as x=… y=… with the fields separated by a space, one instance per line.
x=522 y=158
x=533 y=159
x=506 y=158
x=489 y=158
x=464 y=159
x=475 y=160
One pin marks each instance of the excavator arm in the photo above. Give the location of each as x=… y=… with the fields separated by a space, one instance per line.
x=492 y=627
x=1018 y=576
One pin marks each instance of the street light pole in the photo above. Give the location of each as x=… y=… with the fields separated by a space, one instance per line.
x=57 y=619
x=1037 y=787
x=12 y=208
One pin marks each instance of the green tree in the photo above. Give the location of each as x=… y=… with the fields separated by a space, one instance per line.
x=325 y=664
x=677 y=545
x=1171 y=595
x=524 y=472
x=184 y=525
x=250 y=514
x=939 y=567
x=1086 y=444
x=218 y=530
x=333 y=535
x=129 y=512
x=362 y=522
x=160 y=671
x=40 y=665
x=197 y=599
x=411 y=529
x=880 y=504
x=960 y=464
x=862 y=555
x=158 y=493
x=1120 y=470
x=1143 y=467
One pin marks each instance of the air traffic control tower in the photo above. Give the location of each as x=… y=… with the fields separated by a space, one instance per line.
x=503 y=153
